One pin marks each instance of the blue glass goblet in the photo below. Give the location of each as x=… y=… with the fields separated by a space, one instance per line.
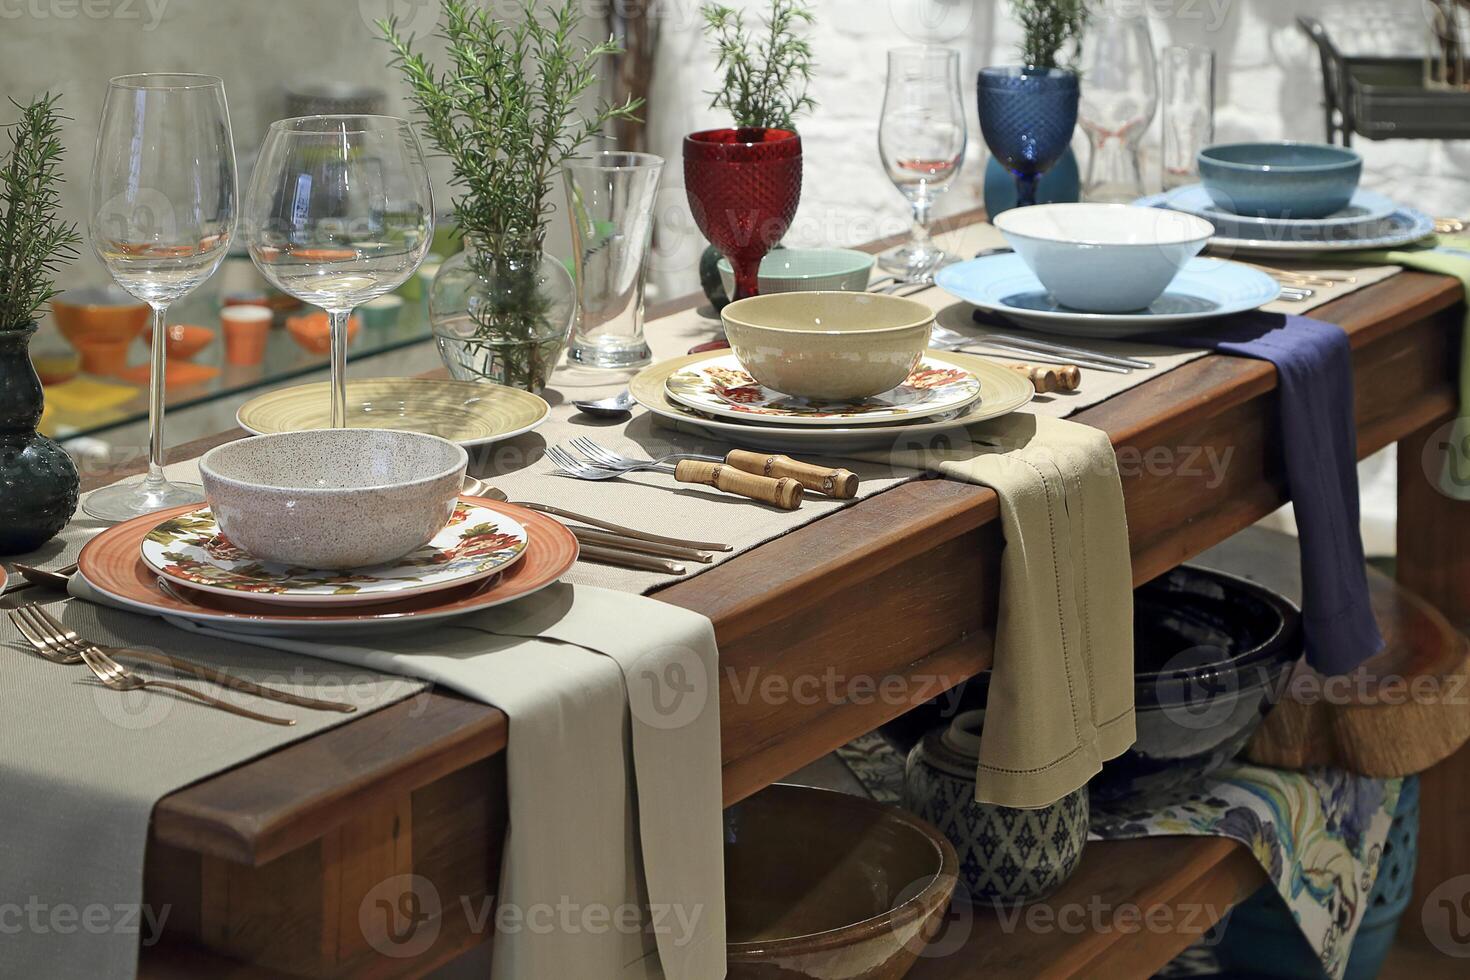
x=1027 y=116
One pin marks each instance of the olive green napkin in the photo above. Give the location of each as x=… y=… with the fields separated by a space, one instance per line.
x=1061 y=692
x=1451 y=257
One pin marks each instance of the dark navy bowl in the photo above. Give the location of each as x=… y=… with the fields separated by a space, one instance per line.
x=1210 y=655
x=1280 y=180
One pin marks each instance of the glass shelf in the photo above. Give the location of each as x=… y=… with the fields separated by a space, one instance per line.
x=88 y=405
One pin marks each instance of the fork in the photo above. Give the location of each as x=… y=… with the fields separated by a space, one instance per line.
x=831 y=481
x=119 y=678
x=784 y=493
x=60 y=644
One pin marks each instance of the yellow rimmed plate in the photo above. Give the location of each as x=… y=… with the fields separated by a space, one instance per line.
x=1002 y=391
x=470 y=413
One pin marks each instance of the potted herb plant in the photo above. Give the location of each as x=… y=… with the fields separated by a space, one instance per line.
x=1028 y=111
x=744 y=181
x=506 y=115
x=38 y=481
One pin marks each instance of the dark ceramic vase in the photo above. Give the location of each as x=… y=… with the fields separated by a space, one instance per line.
x=38 y=481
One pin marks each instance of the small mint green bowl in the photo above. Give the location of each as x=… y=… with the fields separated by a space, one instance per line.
x=807 y=270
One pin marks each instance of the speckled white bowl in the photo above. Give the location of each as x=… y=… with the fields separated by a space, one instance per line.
x=333 y=498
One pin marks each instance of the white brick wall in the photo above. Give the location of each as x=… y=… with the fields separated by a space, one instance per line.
x=1268 y=86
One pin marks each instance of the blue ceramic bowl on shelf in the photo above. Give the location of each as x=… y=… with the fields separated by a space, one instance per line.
x=1280 y=179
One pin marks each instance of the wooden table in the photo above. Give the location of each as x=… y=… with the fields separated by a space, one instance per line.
x=269 y=864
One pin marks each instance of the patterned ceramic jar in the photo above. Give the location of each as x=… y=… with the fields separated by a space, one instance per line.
x=1007 y=856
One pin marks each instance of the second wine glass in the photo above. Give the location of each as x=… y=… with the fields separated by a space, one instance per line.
x=921 y=139
x=339 y=212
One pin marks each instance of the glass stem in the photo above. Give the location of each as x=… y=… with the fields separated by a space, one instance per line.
x=339 y=367
x=919 y=238
x=747 y=278
x=157 y=386
x=1026 y=189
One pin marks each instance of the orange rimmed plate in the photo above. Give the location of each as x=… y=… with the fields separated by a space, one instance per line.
x=112 y=564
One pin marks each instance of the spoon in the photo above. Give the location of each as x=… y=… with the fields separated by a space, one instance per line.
x=608 y=408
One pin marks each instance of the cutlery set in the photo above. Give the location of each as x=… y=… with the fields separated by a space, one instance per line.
x=773 y=479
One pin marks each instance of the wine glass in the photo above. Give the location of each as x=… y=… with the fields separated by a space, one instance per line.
x=921 y=139
x=161 y=216
x=1117 y=103
x=1027 y=115
x=339 y=212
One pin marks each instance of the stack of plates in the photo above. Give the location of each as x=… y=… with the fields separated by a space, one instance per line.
x=1369 y=221
x=177 y=564
x=711 y=393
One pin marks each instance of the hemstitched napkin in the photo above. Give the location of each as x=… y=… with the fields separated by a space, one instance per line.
x=613 y=771
x=1061 y=695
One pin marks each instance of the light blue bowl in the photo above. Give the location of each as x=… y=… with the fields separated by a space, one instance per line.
x=807 y=270
x=1280 y=180
x=1103 y=258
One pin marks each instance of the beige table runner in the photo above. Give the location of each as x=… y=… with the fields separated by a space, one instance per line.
x=82 y=766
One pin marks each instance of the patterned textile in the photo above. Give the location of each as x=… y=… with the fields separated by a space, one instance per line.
x=1319 y=835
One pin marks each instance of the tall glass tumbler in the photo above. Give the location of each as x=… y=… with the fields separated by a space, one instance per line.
x=610 y=198
x=1189 y=111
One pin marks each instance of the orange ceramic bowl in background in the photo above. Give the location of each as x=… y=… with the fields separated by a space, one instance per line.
x=183 y=340
x=101 y=323
x=313 y=331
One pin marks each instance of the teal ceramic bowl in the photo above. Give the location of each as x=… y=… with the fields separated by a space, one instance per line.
x=1280 y=180
x=805 y=270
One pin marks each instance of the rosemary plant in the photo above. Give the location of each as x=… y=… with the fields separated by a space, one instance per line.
x=505 y=112
x=766 y=76
x=1050 y=25
x=34 y=241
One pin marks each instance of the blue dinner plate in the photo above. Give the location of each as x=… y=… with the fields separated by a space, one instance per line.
x=1204 y=288
x=1402 y=227
x=1365 y=208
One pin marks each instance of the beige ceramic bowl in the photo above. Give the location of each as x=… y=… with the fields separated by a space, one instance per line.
x=828 y=346
x=333 y=498
x=823 y=885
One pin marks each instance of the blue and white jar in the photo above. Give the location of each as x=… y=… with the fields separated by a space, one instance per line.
x=1008 y=856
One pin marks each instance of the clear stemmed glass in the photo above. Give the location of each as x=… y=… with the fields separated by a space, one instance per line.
x=1119 y=98
x=161 y=217
x=339 y=212
x=921 y=139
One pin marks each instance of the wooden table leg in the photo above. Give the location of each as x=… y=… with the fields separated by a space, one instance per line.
x=1434 y=561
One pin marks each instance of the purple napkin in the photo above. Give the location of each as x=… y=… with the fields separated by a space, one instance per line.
x=1319 y=441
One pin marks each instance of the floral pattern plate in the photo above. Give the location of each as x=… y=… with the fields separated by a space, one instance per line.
x=477 y=542
x=721 y=387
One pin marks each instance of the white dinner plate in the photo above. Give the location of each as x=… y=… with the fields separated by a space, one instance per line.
x=1365 y=208
x=1404 y=227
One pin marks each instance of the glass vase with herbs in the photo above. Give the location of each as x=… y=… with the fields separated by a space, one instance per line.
x=744 y=181
x=506 y=115
x=38 y=481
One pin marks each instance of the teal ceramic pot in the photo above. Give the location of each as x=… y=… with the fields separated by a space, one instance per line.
x=1062 y=184
x=1007 y=856
x=39 y=485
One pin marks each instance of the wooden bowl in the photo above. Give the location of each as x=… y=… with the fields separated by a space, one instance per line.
x=313 y=331
x=821 y=884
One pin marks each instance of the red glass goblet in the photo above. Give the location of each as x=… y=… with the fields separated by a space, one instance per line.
x=743 y=187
